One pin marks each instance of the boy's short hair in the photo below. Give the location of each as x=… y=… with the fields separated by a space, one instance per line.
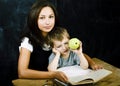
x=57 y=34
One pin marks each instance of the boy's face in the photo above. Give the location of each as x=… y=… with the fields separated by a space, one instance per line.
x=62 y=46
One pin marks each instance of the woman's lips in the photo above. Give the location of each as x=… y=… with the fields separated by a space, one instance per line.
x=47 y=27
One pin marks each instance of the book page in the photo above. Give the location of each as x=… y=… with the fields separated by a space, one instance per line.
x=80 y=78
x=76 y=74
x=97 y=75
x=92 y=76
x=73 y=71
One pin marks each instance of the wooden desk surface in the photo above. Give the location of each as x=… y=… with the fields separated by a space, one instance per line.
x=111 y=80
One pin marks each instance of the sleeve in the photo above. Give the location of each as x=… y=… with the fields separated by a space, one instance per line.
x=51 y=57
x=25 y=44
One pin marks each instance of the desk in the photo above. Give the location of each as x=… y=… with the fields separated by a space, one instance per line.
x=111 y=80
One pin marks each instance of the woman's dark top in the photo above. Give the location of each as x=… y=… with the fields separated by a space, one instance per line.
x=39 y=56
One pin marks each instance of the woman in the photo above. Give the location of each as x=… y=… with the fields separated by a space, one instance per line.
x=34 y=52
x=34 y=49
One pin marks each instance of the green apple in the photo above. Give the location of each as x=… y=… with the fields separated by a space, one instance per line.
x=74 y=43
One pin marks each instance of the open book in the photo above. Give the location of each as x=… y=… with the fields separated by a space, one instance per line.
x=76 y=75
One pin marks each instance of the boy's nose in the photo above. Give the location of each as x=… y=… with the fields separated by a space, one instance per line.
x=63 y=47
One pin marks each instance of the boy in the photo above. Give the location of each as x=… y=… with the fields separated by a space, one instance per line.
x=62 y=55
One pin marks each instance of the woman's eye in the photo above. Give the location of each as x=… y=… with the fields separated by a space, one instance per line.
x=42 y=17
x=51 y=16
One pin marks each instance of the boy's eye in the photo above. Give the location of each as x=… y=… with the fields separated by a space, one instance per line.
x=59 y=46
x=66 y=42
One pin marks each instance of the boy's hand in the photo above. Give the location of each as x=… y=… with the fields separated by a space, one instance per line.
x=79 y=50
x=55 y=51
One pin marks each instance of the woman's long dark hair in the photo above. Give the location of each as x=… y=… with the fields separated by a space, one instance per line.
x=33 y=32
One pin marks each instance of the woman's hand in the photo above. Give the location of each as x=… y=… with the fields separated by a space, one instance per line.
x=60 y=75
x=96 y=66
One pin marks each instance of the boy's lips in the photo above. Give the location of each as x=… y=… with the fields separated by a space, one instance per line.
x=65 y=51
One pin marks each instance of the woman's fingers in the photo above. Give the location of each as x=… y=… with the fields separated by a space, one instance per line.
x=61 y=76
x=97 y=66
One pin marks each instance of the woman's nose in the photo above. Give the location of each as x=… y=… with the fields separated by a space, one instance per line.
x=47 y=21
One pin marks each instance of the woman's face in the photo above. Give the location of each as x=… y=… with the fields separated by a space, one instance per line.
x=46 y=20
